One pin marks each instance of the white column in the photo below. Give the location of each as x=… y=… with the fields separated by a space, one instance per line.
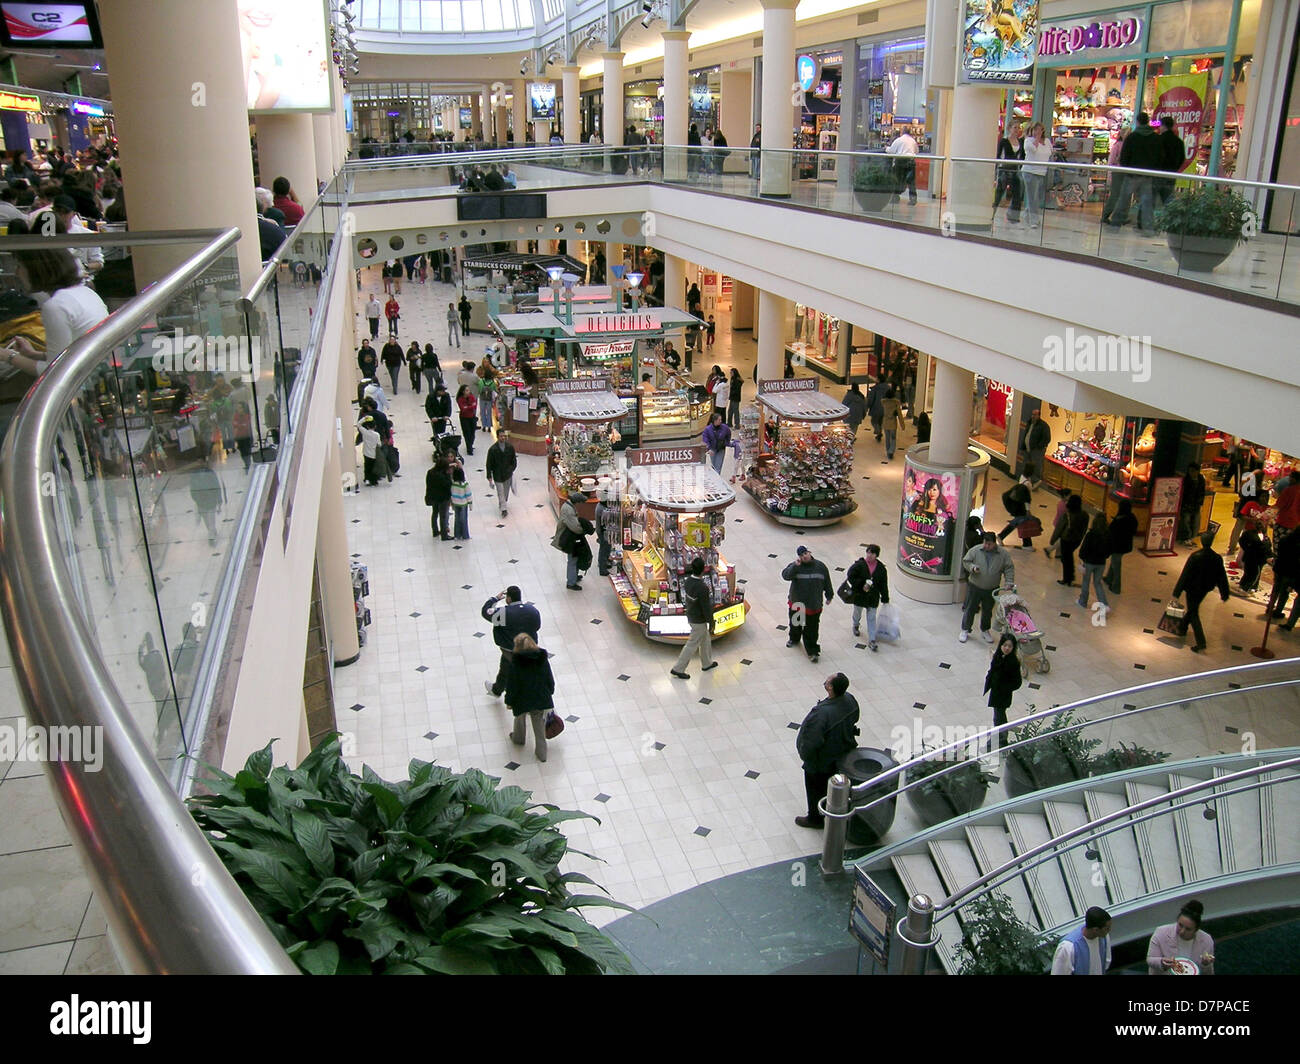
x=612 y=89
x=322 y=131
x=778 y=109
x=542 y=132
x=735 y=113
x=161 y=88
x=500 y=116
x=287 y=148
x=676 y=103
x=773 y=320
x=954 y=391
x=674 y=280
x=572 y=104
x=476 y=117
x=332 y=557
x=519 y=112
x=485 y=109
x=973 y=135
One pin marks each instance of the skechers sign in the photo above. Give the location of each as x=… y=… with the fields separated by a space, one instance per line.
x=1119 y=33
x=806 y=69
x=999 y=42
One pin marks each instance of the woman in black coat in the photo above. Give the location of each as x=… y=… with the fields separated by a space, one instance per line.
x=1070 y=529
x=1002 y=681
x=529 y=687
x=869 y=580
x=1122 y=530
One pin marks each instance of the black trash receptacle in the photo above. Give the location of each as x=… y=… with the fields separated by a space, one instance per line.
x=860 y=765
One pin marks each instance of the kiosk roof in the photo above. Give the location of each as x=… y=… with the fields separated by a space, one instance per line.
x=586 y=406
x=687 y=487
x=804 y=405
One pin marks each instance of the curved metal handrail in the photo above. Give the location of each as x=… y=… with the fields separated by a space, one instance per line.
x=145 y=855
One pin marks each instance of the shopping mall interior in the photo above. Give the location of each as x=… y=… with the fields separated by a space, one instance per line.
x=924 y=266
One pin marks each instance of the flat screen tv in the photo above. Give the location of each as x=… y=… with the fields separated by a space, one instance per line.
x=54 y=25
x=826 y=90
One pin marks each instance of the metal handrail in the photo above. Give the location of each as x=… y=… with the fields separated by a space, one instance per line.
x=834 y=842
x=1168 y=175
x=170 y=903
x=1039 y=854
x=36 y=242
x=272 y=264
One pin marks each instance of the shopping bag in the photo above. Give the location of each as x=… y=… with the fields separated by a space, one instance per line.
x=554 y=724
x=1176 y=609
x=1029 y=528
x=887 y=622
x=1169 y=624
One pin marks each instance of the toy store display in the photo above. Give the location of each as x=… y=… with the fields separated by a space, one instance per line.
x=798 y=454
x=672 y=512
x=1135 y=477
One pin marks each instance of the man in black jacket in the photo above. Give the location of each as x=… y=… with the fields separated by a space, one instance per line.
x=437 y=494
x=826 y=734
x=1286 y=577
x=810 y=581
x=699 y=612
x=367 y=361
x=1142 y=150
x=1175 y=155
x=1038 y=437
x=509 y=616
x=1202 y=573
x=438 y=408
x=501 y=464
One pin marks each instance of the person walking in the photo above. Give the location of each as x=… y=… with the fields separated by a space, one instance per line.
x=486 y=389
x=735 y=389
x=755 y=155
x=1010 y=147
x=699 y=613
x=1016 y=500
x=374 y=310
x=1189 y=507
x=717 y=437
x=876 y=407
x=509 y=616
x=392 y=312
x=437 y=407
x=810 y=582
x=986 y=567
x=1174 y=157
x=571 y=532
x=1086 y=950
x=1202 y=573
x=367 y=360
x=413 y=360
x=241 y=421
x=608 y=522
x=1002 y=681
x=1286 y=577
x=1038 y=153
x=393 y=360
x=891 y=421
x=1181 y=940
x=464 y=309
x=462 y=500
x=1255 y=551
x=1038 y=437
x=453 y=326
x=1069 y=531
x=869 y=581
x=437 y=496
x=827 y=733
x=530 y=691
x=208 y=495
x=500 y=466
x=857 y=404
x=903 y=147
x=1094 y=552
x=430 y=367
x=1142 y=150
x=1122 y=530
x=1115 y=175
x=467 y=405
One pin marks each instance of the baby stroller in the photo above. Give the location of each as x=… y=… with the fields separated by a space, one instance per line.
x=1011 y=614
x=446 y=441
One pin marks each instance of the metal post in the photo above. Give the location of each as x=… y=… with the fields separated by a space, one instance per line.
x=837 y=825
x=916 y=932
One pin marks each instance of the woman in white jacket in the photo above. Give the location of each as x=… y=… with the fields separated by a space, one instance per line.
x=1038 y=152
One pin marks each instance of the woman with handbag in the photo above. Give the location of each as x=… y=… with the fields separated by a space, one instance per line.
x=530 y=686
x=1002 y=681
x=1016 y=500
x=868 y=581
x=570 y=538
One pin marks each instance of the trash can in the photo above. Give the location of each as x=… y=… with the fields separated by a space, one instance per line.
x=860 y=765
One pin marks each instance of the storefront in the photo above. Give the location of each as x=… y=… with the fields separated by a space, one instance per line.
x=1095 y=72
x=820 y=75
x=23 y=121
x=892 y=97
x=994 y=415
x=798 y=453
x=846 y=354
x=673 y=511
x=590 y=114
x=643 y=107
x=706 y=94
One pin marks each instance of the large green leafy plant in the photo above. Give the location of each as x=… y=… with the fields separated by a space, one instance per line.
x=875 y=177
x=995 y=941
x=1208 y=211
x=441 y=872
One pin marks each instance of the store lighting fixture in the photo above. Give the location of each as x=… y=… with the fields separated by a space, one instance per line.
x=634 y=279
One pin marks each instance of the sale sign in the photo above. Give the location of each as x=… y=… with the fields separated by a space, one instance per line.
x=1182 y=97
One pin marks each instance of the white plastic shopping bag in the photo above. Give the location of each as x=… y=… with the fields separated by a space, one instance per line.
x=887 y=622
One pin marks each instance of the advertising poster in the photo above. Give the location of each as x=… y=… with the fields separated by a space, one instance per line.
x=541 y=101
x=929 y=523
x=466 y=119
x=1182 y=97
x=286 y=55
x=999 y=42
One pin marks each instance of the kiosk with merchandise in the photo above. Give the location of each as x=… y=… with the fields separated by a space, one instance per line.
x=673 y=511
x=583 y=434
x=678 y=409
x=798 y=454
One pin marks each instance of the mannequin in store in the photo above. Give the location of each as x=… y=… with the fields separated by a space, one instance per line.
x=798 y=320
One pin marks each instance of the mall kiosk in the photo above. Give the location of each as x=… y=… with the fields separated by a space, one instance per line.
x=584 y=412
x=672 y=512
x=798 y=454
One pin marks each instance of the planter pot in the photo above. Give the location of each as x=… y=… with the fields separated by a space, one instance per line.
x=873 y=201
x=860 y=765
x=1199 y=254
x=1022 y=778
x=944 y=801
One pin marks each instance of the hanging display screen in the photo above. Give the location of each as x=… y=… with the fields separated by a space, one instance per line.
x=50 y=26
x=541 y=101
x=999 y=42
x=286 y=55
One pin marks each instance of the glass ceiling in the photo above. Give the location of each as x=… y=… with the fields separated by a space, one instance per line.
x=444 y=16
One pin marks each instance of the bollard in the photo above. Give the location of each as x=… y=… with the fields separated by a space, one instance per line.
x=836 y=806
x=916 y=932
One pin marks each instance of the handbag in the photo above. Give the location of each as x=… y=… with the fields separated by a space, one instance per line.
x=845 y=592
x=554 y=724
x=1029 y=528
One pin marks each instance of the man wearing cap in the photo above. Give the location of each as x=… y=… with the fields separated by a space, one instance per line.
x=1086 y=950
x=810 y=582
x=985 y=566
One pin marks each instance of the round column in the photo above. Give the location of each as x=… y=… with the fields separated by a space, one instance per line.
x=973 y=136
x=485 y=111
x=159 y=86
x=500 y=119
x=778 y=109
x=287 y=148
x=333 y=563
x=773 y=316
x=612 y=99
x=476 y=117
x=954 y=392
x=572 y=104
x=676 y=103
x=519 y=112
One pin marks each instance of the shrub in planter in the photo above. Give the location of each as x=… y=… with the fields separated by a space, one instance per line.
x=1051 y=759
x=874 y=185
x=438 y=873
x=941 y=797
x=1125 y=757
x=1202 y=225
x=995 y=941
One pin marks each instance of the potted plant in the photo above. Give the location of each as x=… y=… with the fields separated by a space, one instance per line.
x=1125 y=757
x=1202 y=225
x=439 y=873
x=1055 y=756
x=874 y=186
x=995 y=941
x=941 y=797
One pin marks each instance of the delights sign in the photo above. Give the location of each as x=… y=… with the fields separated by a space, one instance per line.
x=615 y=323
x=1122 y=32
